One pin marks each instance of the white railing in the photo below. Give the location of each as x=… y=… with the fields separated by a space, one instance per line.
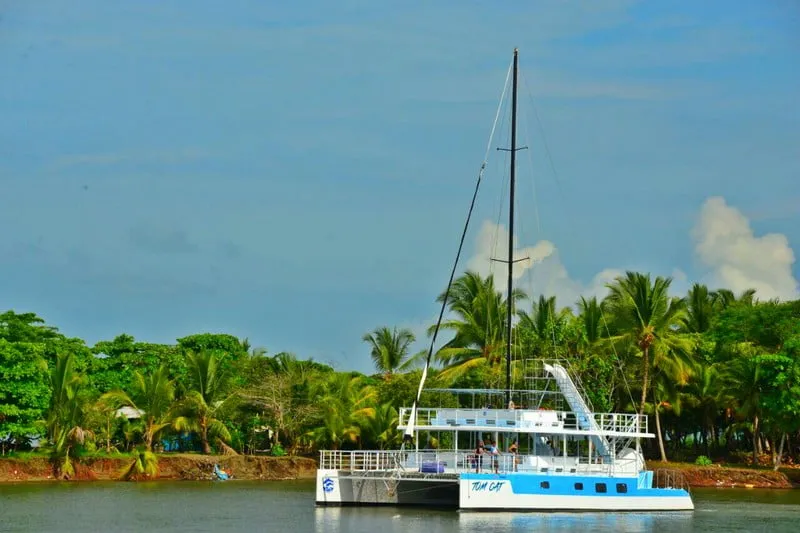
x=510 y=419
x=457 y=461
x=360 y=460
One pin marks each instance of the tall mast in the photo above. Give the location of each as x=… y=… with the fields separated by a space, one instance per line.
x=509 y=297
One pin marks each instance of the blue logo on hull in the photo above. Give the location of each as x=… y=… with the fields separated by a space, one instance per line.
x=493 y=486
x=327 y=484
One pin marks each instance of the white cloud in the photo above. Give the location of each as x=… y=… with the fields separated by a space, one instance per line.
x=725 y=243
x=542 y=272
x=492 y=243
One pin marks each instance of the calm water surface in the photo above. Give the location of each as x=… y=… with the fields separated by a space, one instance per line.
x=288 y=507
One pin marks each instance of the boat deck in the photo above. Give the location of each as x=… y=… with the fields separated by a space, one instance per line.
x=447 y=464
x=541 y=421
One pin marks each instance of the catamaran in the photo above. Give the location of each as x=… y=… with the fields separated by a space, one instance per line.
x=541 y=447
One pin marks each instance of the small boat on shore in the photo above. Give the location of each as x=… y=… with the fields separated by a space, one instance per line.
x=538 y=448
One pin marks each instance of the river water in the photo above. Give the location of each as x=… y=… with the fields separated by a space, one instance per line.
x=288 y=507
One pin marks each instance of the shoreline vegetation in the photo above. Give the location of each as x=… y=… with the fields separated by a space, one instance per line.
x=716 y=373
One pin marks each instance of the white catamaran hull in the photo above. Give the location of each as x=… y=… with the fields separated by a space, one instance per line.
x=497 y=492
x=561 y=493
x=507 y=500
x=348 y=488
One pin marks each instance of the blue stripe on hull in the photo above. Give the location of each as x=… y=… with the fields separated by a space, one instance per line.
x=569 y=485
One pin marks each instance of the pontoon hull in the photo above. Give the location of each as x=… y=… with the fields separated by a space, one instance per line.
x=527 y=492
x=504 y=492
x=344 y=488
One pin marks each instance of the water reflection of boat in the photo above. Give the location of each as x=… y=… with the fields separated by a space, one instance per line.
x=561 y=454
x=588 y=521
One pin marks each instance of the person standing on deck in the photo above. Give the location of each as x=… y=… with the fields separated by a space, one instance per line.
x=495 y=459
x=479 y=451
x=514 y=450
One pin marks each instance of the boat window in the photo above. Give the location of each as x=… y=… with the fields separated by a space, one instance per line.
x=622 y=488
x=545 y=484
x=578 y=486
x=600 y=487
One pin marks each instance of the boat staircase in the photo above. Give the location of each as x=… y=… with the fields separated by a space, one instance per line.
x=584 y=415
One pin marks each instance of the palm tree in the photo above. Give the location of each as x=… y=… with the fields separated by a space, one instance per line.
x=743 y=378
x=479 y=326
x=591 y=313
x=545 y=321
x=347 y=403
x=725 y=298
x=700 y=308
x=381 y=428
x=708 y=392
x=389 y=348
x=151 y=395
x=666 y=394
x=645 y=316
x=198 y=409
x=145 y=463
x=595 y=361
x=66 y=416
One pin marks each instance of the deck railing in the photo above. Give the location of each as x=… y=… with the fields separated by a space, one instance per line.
x=508 y=419
x=456 y=461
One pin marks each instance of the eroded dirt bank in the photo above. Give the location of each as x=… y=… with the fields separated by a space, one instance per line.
x=171 y=466
x=732 y=477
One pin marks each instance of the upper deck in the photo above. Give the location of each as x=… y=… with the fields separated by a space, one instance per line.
x=541 y=421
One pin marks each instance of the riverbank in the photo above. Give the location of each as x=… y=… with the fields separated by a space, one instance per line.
x=172 y=466
x=179 y=466
x=723 y=476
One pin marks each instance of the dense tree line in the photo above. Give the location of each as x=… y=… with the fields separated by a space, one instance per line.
x=206 y=393
x=718 y=373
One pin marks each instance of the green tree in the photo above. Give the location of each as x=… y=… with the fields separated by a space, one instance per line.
x=152 y=396
x=700 y=308
x=346 y=403
x=198 y=410
x=115 y=362
x=645 y=316
x=25 y=327
x=389 y=348
x=282 y=398
x=66 y=417
x=479 y=325
x=24 y=391
x=144 y=464
x=231 y=355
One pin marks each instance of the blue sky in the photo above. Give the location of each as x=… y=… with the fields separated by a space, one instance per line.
x=298 y=174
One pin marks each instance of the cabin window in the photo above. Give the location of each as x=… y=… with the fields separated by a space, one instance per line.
x=600 y=488
x=578 y=486
x=545 y=484
x=622 y=488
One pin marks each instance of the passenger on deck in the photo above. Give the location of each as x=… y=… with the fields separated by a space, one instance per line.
x=495 y=456
x=514 y=451
x=479 y=451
